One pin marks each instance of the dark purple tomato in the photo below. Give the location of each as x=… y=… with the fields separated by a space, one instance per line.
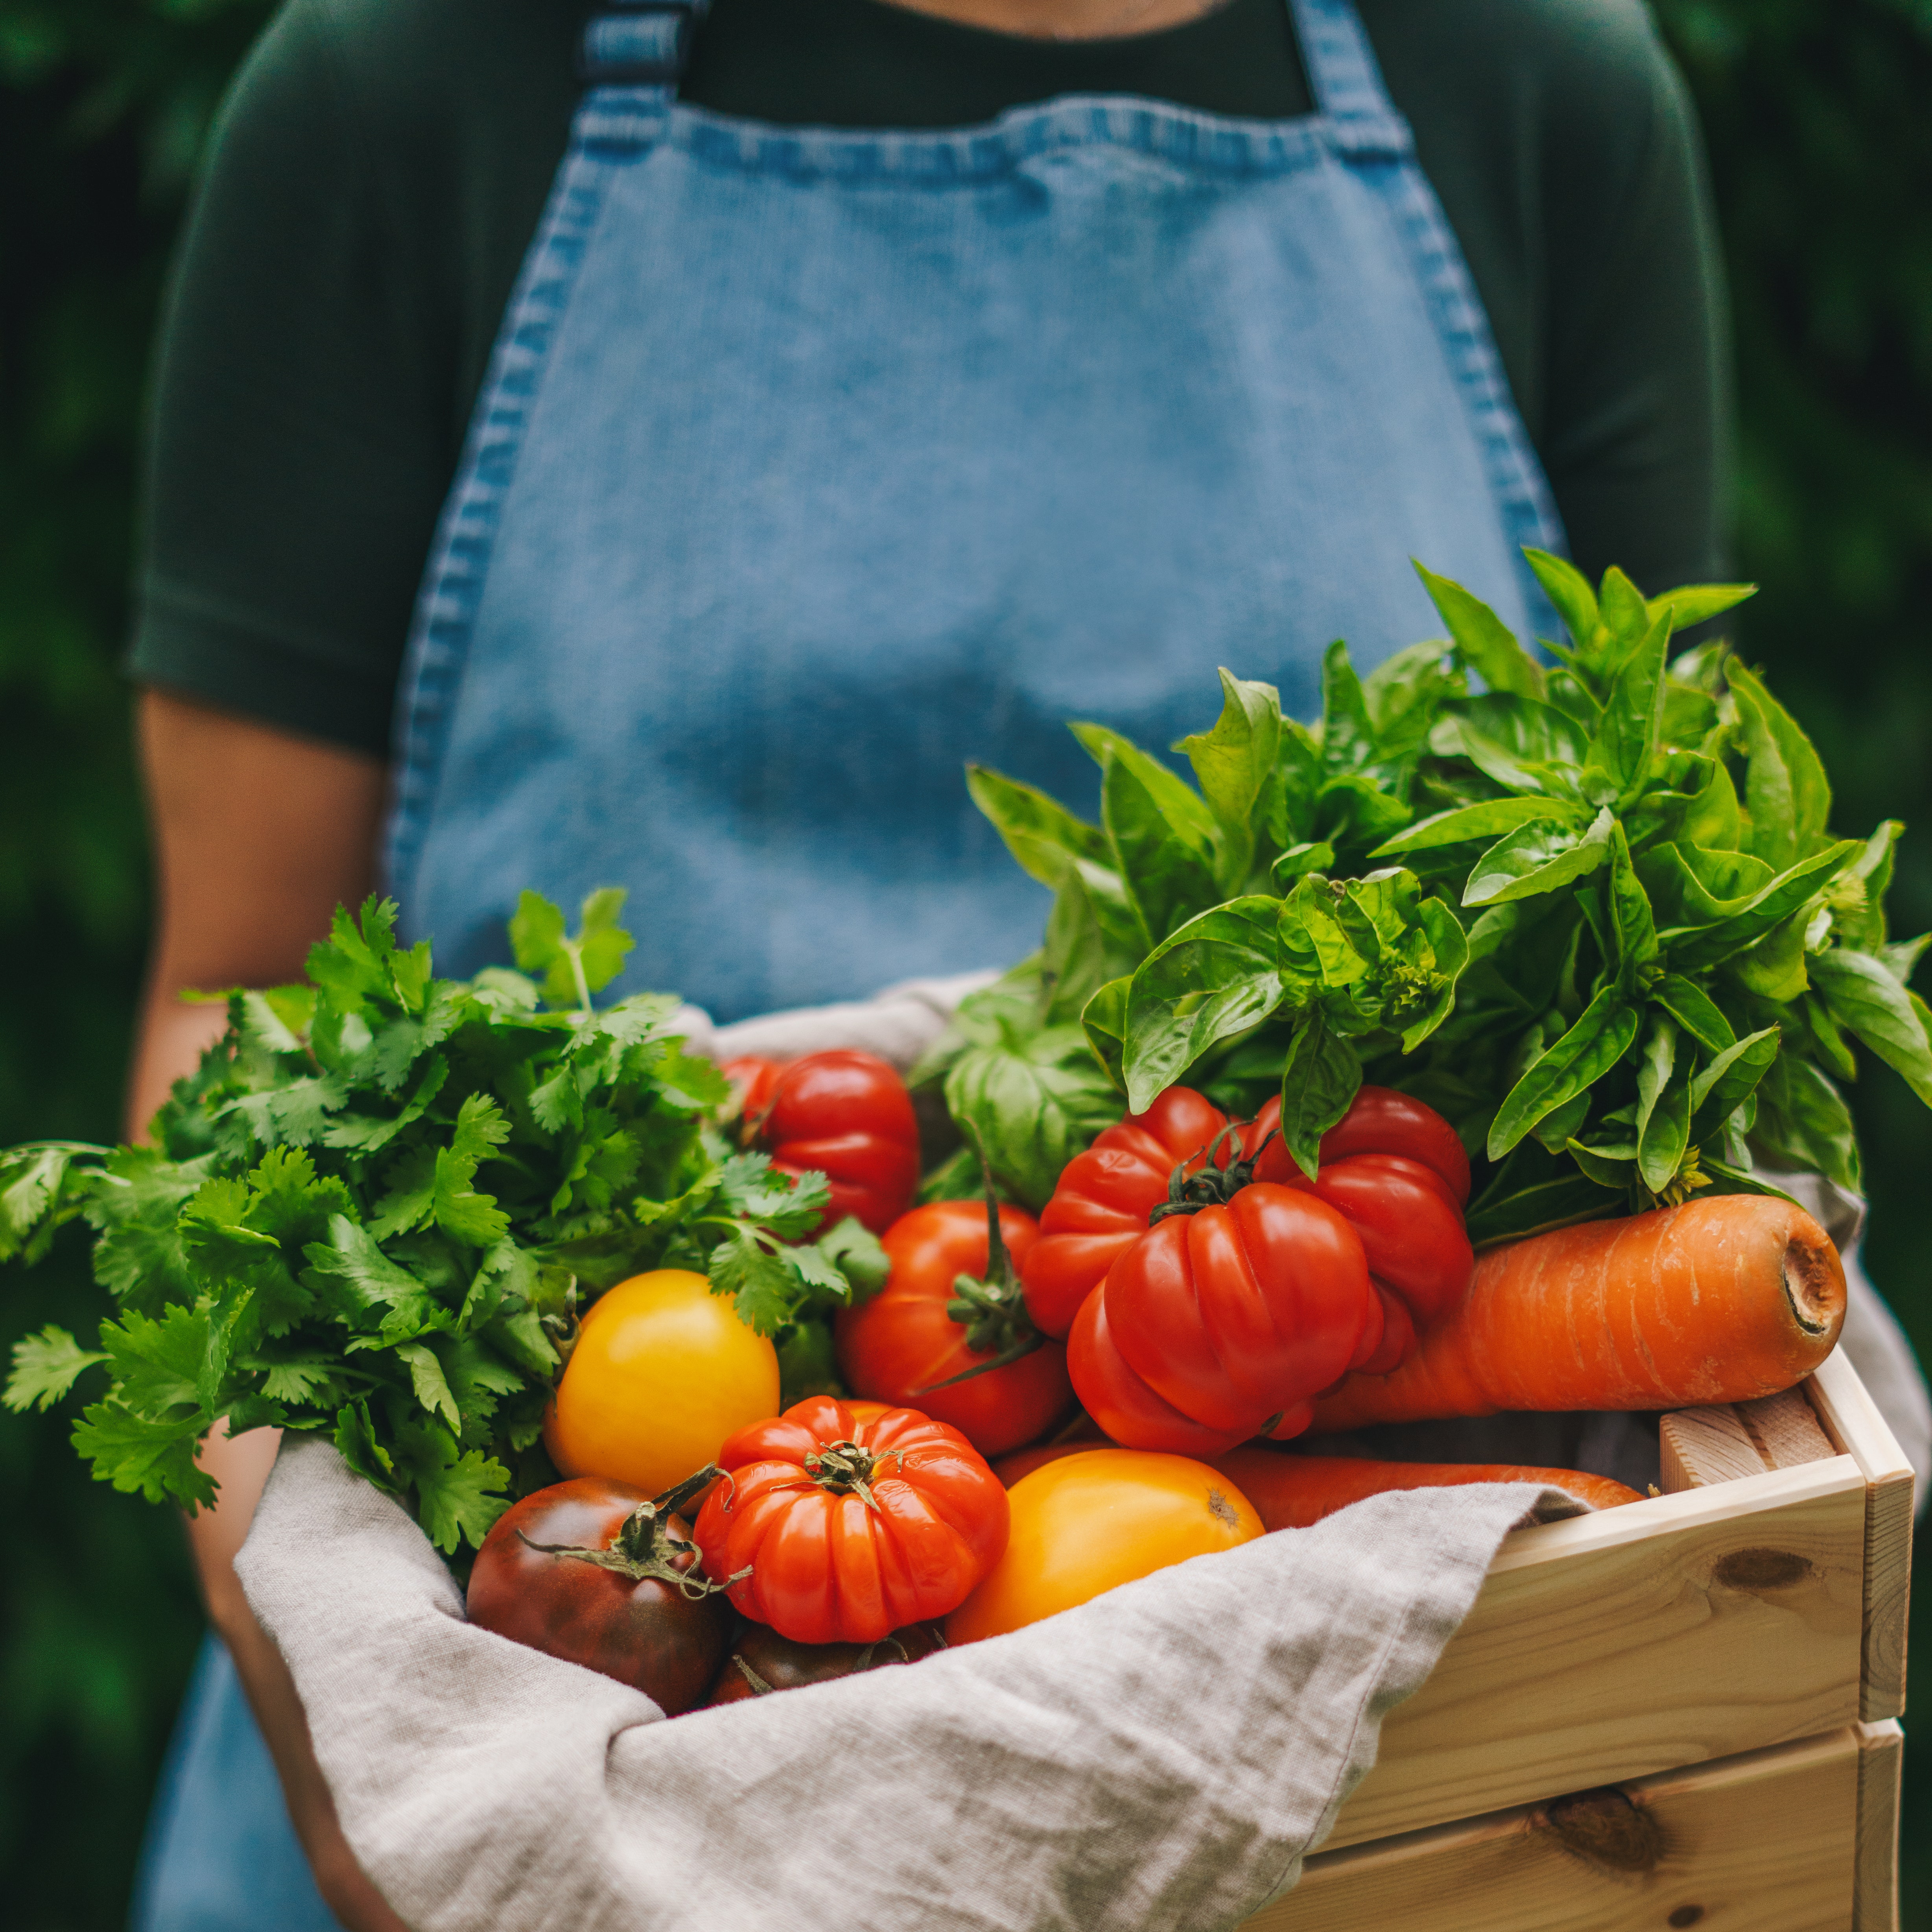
x=598 y=1573
x=762 y=1661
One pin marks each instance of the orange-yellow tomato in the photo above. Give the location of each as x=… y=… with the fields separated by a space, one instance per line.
x=1089 y=1522
x=662 y=1372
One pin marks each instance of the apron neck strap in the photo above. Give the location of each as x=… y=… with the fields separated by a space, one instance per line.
x=1343 y=74
x=640 y=43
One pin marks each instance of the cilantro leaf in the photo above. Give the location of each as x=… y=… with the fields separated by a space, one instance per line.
x=764 y=1289
x=156 y=1460
x=45 y=1367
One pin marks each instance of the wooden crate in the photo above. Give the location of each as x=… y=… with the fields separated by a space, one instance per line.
x=1740 y=1612
x=1795 y=1837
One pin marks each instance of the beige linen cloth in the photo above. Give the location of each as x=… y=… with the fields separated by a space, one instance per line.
x=1162 y=1757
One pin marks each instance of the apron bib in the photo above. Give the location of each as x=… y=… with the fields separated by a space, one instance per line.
x=813 y=464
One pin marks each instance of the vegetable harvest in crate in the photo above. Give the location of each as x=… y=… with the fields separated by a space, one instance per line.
x=1423 y=1061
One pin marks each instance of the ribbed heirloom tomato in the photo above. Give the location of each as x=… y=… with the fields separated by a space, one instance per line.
x=952 y=1307
x=836 y=1530
x=847 y=1115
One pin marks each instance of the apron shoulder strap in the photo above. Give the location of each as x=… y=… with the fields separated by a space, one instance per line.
x=643 y=44
x=1343 y=74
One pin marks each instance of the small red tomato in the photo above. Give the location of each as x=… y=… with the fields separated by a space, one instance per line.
x=847 y=1116
x=598 y=1573
x=1379 y=1121
x=951 y=1313
x=761 y=1661
x=836 y=1530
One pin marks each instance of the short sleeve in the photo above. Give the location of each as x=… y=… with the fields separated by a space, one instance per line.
x=300 y=443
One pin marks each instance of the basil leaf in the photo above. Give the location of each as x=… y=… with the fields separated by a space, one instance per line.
x=1804 y=1123
x=1694 y=1010
x=1448 y=957
x=1622 y=610
x=1218 y=976
x=1318 y=1084
x=1536 y=858
x=1607 y=1167
x=1183 y=808
x=1569 y=589
x=1076 y=960
x=1104 y=1020
x=1554 y=1129
x=1741 y=1180
x=1633 y=930
x=1348 y=732
x=1861 y=995
x=1719 y=1089
x=1860 y=916
x=1165 y=865
x=1539 y=1206
x=1662 y=1109
x=1591 y=1047
x=1353 y=814
x=1465 y=823
x=1031 y=1104
x=1403 y=694
x=1235 y=764
x=1299 y=860
x=1631 y=726
x=1785 y=791
x=1774 y=968
x=1040 y=832
x=1691 y=887
x=1693 y=603
x=1487 y=644
x=1769 y=906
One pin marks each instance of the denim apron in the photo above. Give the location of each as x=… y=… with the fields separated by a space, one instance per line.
x=814 y=463
x=811 y=464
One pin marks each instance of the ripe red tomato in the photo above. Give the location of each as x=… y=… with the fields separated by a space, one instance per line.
x=598 y=1573
x=1100 y=1207
x=1234 y=1316
x=834 y=1530
x=847 y=1116
x=761 y=1661
x=950 y=1306
x=1392 y=1166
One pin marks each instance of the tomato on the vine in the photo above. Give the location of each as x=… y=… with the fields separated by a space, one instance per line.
x=949 y=1331
x=834 y=1529
x=845 y=1114
x=602 y=1574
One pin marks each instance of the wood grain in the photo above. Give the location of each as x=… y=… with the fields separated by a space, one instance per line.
x=1700 y=1446
x=1851 y=1420
x=1763 y=1842
x=1784 y=1428
x=1881 y=1759
x=1618 y=1645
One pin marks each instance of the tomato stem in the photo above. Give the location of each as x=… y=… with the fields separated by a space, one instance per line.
x=645 y=1545
x=846 y=1468
x=992 y=1311
x=1215 y=1185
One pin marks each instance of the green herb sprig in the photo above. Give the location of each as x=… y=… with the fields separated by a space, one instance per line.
x=377 y=1207
x=1593 y=912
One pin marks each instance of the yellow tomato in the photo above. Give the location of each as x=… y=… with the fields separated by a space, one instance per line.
x=662 y=1372
x=1089 y=1522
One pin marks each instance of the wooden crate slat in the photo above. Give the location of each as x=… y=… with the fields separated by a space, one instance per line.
x=1881 y=1760
x=1785 y=1429
x=1617 y=1645
x=1851 y=1420
x=1765 y=1841
x=1699 y=1446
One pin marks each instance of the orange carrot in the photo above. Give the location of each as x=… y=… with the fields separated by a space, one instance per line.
x=1721 y=1300
x=1290 y=1491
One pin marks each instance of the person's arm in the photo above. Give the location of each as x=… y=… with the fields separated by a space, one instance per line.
x=258 y=835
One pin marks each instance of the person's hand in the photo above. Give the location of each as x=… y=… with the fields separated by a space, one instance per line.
x=241 y=1465
x=258 y=835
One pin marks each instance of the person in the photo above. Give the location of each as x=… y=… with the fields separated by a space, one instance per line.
x=794 y=399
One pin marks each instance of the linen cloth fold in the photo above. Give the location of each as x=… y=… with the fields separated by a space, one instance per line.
x=1162 y=1757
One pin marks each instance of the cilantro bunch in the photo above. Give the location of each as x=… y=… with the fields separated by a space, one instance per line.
x=376 y=1208
x=1593 y=912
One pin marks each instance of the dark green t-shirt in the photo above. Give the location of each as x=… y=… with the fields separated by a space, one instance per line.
x=380 y=166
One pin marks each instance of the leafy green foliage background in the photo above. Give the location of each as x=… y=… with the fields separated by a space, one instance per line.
x=1821 y=158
